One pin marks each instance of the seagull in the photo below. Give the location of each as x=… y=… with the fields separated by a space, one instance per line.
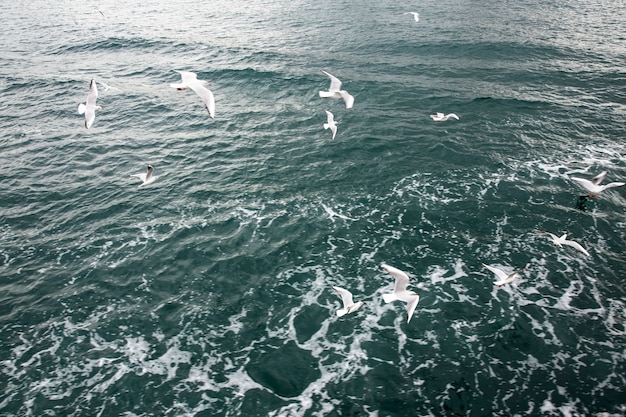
x=335 y=91
x=190 y=80
x=593 y=185
x=415 y=15
x=348 y=305
x=400 y=292
x=504 y=277
x=440 y=117
x=89 y=109
x=560 y=241
x=147 y=177
x=106 y=86
x=331 y=124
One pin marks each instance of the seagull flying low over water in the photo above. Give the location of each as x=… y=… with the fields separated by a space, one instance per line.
x=594 y=186
x=146 y=177
x=504 y=277
x=400 y=292
x=349 y=306
x=416 y=15
x=335 y=91
x=190 y=80
x=89 y=108
x=440 y=117
x=560 y=241
x=331 y=124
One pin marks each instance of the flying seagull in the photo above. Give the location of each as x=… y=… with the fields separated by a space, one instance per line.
x=331 y=124
x=594 y=186
x=560 y=241
x=190 y=80
x=335 y=91
x=146 y=177
x=415 y=15
x=89 y=108
x=440 y=117
x=349 y=306
x=504 y=277
x=400 y=292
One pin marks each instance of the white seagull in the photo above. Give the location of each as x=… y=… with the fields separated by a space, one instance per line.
x=89 y=109
x=560 y=241
x=331 y=124
x=594 y=186
x=504 y=277
x=190 y=80
x=146 y=177
x=335 y=91
x=440 y=117
x=349 y=306
x=415 y=15
x=400 y=292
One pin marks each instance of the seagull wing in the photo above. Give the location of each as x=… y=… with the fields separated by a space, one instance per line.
x=614 y=184
x=149 y=173
x=330 y=117
x=347 y=98
x=93 y=94
x=346 y=296
x=187 y=76
x=411 y=303
x=585 y=183
x=141 y=176
x=599 y=178
x=576 y=246
x=512 y=276
x=508 y=279
x=402 y=279
x=335 y=84
x=206 y=95
x=554 y=238
x=453 y=116
x=90 y=116
x=499 y=273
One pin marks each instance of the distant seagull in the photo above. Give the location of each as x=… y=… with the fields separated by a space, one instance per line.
x=335 y=91
x=504 y=277
x=400 y=292
x=106 y=86
x=331 y=124
x=89 y=109
x=146 y=177
x=415 y=15
x=190 y=80
x=559 y=241
x=348 y=305
x=593 y=185
x=440 y=117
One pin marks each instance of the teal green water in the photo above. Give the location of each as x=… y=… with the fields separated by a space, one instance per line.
x=208 y=293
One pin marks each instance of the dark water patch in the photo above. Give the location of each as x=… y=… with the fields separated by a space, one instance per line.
x=287 y=370
x=257 y=401
x=309 y=321
x=113 y=44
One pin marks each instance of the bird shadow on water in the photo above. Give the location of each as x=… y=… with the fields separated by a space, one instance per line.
x=585 y=203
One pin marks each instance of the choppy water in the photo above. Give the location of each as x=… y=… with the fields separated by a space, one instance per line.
x=208 y=292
